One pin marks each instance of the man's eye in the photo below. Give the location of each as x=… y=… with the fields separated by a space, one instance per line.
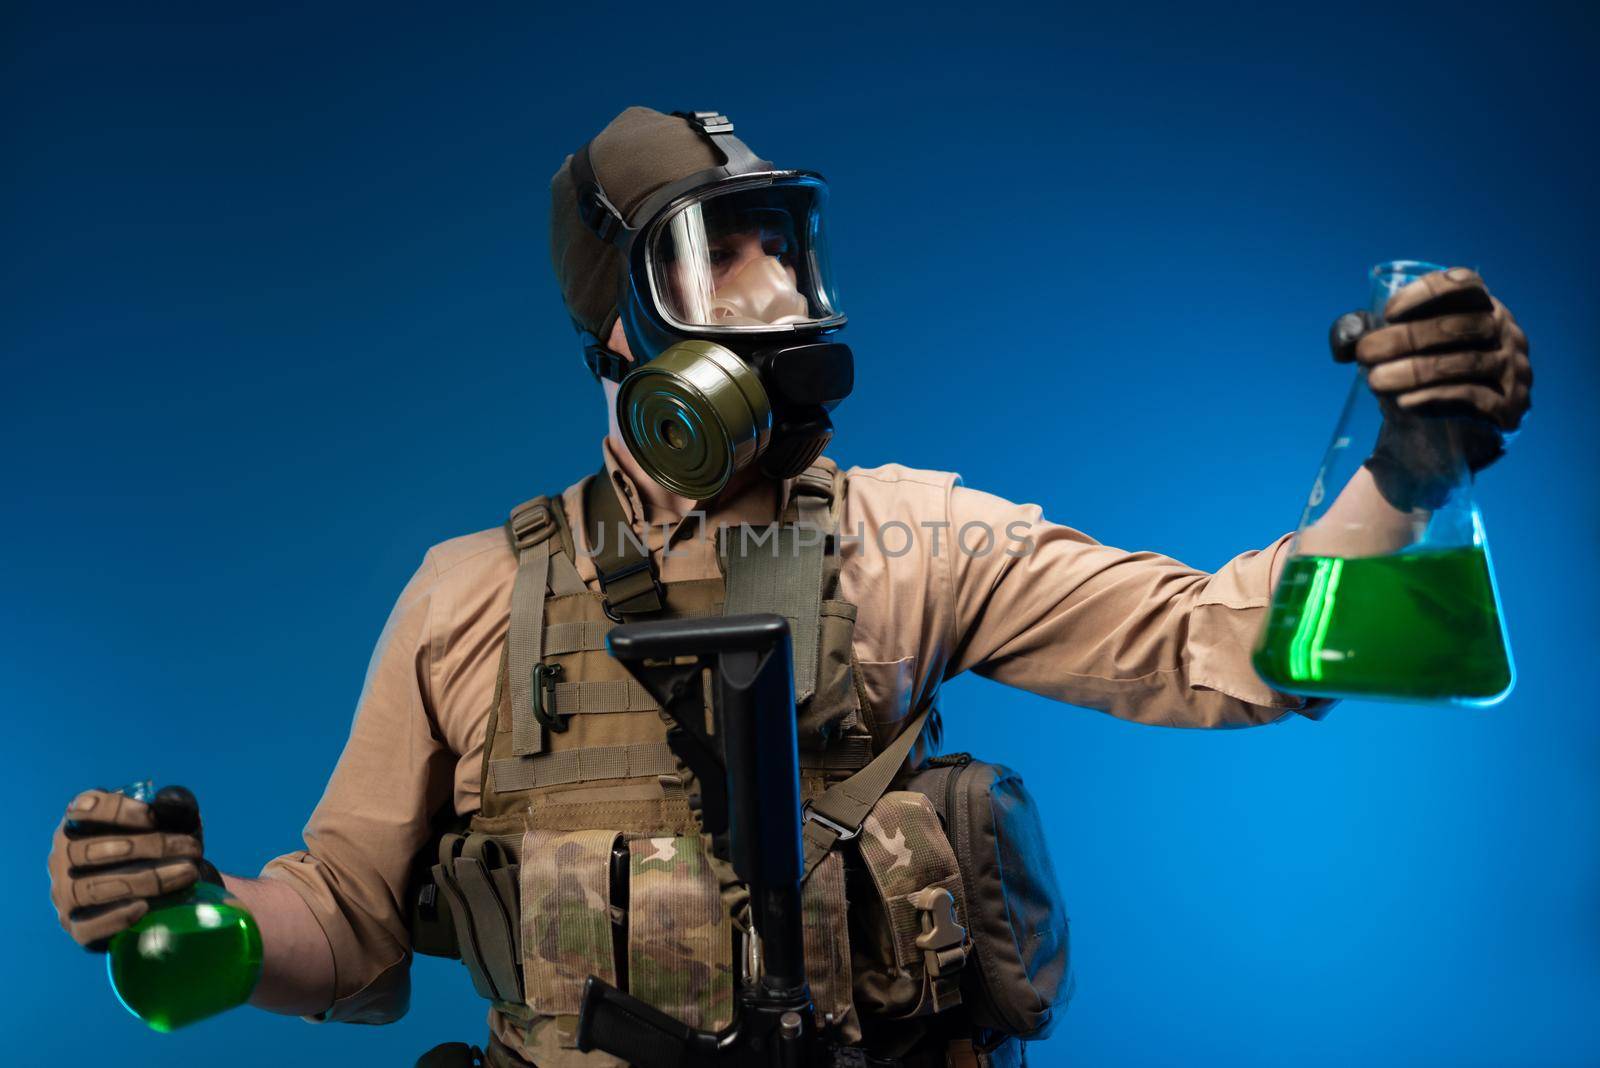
x=776 y=246
x=721 y=257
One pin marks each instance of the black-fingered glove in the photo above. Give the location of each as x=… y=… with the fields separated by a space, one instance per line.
x=1447 y=349
x=112 y=855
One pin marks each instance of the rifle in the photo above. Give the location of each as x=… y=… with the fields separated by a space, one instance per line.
x=747 y=769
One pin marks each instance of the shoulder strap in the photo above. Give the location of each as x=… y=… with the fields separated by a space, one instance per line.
x=816 y=496
x=530 y=527
x=564 y=577
x=782 y=570
x=627 y=573
x=837 y=815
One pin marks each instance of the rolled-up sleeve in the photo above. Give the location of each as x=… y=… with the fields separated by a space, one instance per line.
x=394 y=773
x=1136 y=634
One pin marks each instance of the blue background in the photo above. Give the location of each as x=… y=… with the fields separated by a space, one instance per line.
x=278 y=315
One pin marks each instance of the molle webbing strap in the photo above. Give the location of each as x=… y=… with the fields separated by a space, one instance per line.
x=589 y=698
x=592 y=764
x=839 y=813
x=586 y=636
x=531 y=526
x=626 y=572
x=653 y=815
x=652 y=758
x=851 y=752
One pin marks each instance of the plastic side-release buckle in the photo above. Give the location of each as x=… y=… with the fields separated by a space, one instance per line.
x=531 y=523
x=943 y=940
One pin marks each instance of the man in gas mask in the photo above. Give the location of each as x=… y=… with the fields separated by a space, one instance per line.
x=697 y=277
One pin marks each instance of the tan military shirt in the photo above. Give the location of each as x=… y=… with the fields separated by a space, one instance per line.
x=945 y=579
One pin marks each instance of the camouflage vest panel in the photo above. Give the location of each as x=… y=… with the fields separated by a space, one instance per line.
x=581 y=789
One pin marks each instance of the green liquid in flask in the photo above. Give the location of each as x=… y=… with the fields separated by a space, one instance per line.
x=1416 y=626
x=186 y=961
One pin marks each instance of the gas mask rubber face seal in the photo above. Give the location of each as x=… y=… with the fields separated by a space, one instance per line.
x=728 y=304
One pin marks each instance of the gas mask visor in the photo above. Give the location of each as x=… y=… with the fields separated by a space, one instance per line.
x=732 y=306
x=746 y=255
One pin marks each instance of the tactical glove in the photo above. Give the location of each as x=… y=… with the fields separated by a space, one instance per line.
x=1447 y=348
x=112 y=854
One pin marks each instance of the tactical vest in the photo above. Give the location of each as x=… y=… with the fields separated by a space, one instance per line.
x=585 y=857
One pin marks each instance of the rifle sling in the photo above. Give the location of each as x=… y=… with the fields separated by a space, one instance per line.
x=844 y=806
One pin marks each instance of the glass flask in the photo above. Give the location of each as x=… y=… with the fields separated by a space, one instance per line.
x=196 y=953
x=1398 y=601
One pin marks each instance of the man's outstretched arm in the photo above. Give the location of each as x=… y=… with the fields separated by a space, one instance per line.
x=1136 y=634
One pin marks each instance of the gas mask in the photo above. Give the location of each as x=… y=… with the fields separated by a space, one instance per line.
x=728 y=307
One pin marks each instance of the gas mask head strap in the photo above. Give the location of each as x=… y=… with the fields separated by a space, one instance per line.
x=606 y=221
x=595 y=208
x=718 y=129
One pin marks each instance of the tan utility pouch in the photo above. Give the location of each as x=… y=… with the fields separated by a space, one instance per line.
x=913 y=941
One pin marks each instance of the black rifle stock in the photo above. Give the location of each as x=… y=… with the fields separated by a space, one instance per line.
x=748 y=773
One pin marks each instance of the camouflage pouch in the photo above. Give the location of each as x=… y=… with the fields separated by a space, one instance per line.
x=910 y=941
x=566 y=917
x=680 y=940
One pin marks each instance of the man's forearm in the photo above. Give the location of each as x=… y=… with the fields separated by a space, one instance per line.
x=1359 y=522
x=297 y=962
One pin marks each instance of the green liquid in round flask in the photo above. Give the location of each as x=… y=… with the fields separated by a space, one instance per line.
x=194 y=954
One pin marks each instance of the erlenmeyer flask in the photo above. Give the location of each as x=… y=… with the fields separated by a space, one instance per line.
x=1395 y=601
